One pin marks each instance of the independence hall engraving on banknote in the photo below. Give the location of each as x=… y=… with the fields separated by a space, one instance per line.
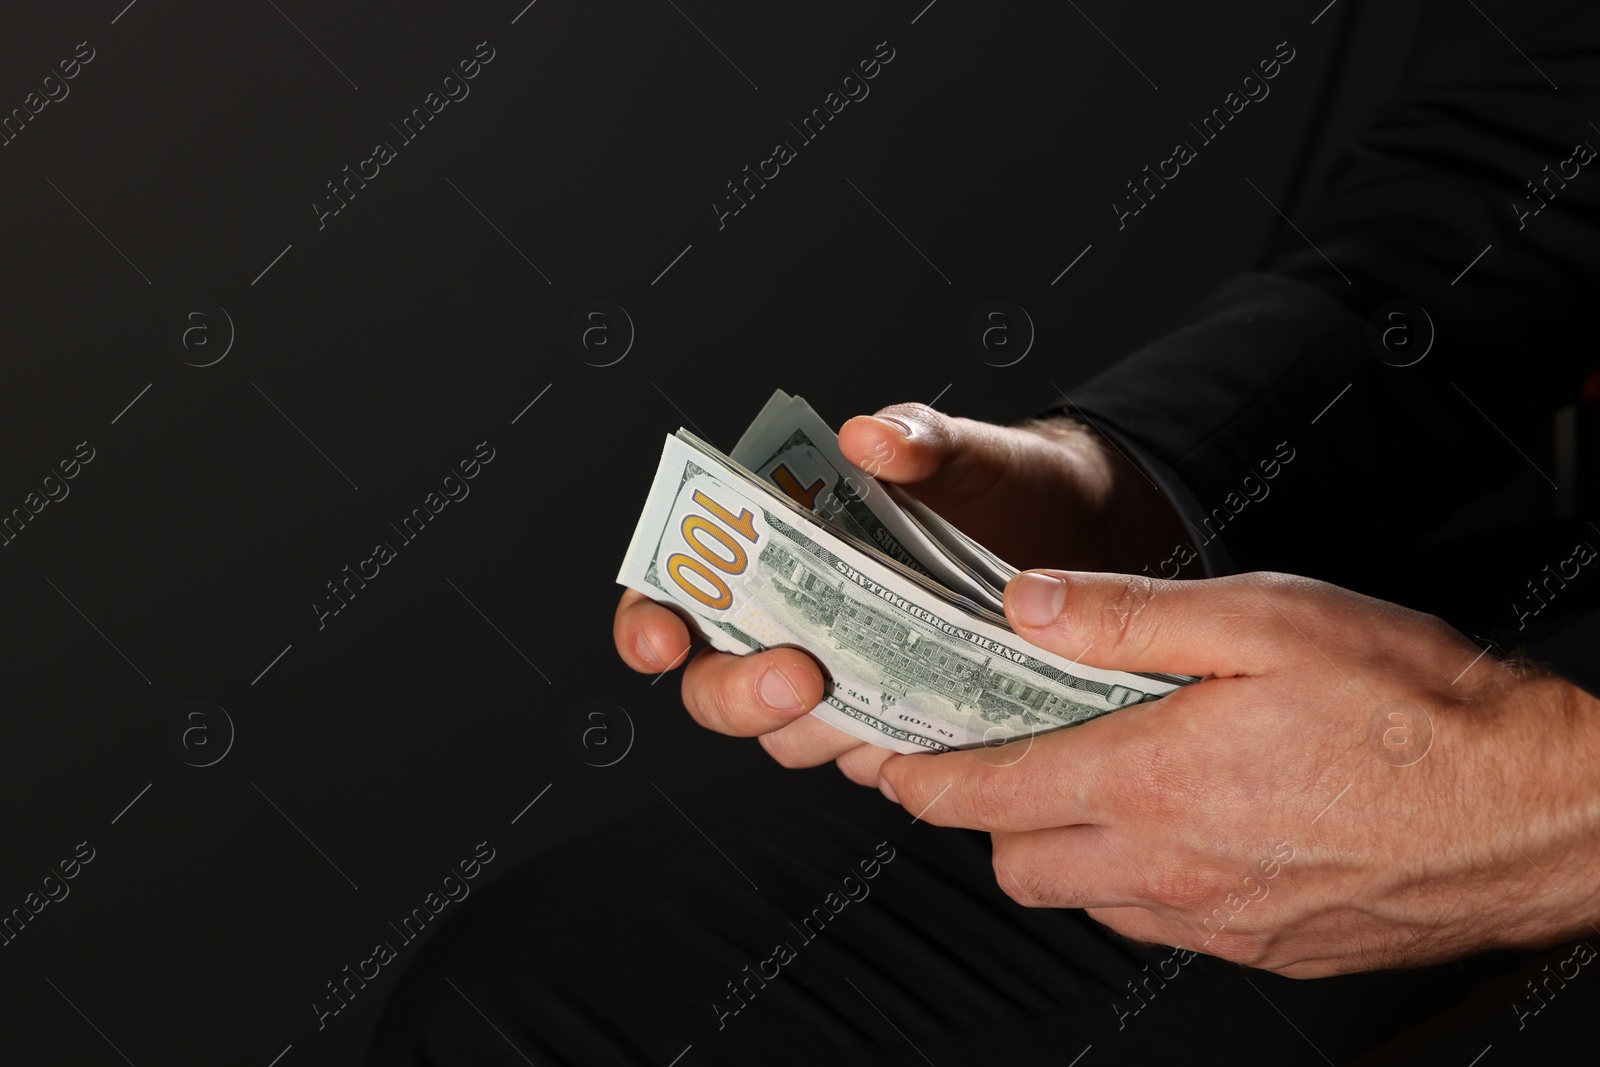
x=909 y=659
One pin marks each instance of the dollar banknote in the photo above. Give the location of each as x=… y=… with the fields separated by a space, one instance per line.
x=982 y=563
x=791 y=447
x=909 y=664
x=774 y=446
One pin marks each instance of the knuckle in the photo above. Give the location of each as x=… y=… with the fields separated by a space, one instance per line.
x=1276 y=581
x=1164 y=785
x=1275 y=590
x=1288 y=585
x=1021 y=886
x=1181 y=887
x=987 y=797
x=1119 y=624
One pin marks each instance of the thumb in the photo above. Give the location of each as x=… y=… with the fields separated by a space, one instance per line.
x=942 y=456
x=1127 y=622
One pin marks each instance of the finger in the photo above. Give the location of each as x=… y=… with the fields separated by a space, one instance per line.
x=1030 y=784
x=1064 y=867
x=1127 y=622
x=942 y=456
x=649 y=637
x=861 y=764
x=808 y=742
x=754 y=694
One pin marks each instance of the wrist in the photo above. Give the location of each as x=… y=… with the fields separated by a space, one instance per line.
x=1128 y=524
x=1546 y=732
x=1578 y=714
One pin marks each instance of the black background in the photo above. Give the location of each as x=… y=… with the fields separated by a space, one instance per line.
x=408 y=330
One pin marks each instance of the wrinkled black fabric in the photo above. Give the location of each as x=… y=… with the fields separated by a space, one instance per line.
x=614 y=950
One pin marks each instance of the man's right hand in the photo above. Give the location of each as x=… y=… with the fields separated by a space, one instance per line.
x=1050 y=493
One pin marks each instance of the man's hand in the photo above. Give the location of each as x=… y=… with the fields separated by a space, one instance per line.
x=1350 y=787
x=1050 y=491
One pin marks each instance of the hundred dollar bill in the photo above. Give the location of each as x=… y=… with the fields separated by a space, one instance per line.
x=791 y=447
x=984 y=564
x=906 y=668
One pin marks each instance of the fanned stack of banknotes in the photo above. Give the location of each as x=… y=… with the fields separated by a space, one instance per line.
x=784 y=542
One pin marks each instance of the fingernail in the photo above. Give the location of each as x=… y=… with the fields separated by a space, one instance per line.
x=646 y=650
x=777 y=693
x=887 y=790
x=899 y=426
x=1035 y=598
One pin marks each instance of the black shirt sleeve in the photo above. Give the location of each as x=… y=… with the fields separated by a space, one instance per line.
x=1475 y=194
